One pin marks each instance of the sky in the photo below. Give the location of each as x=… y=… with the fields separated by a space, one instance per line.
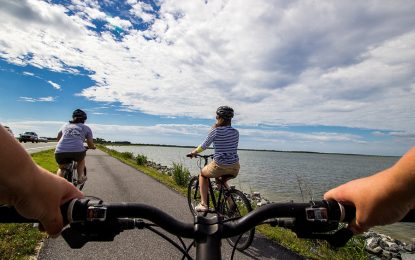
x=321 y=76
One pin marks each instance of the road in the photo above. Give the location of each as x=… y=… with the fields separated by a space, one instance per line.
x=113 y=181
x=37 y=147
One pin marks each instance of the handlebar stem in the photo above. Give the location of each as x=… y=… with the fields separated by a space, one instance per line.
x=208 y=241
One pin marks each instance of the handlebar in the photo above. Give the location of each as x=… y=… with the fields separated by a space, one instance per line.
x=207 y=156
x=94 y=220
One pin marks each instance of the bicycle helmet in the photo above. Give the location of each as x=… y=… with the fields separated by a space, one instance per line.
x=225 y=112
x=78 y=113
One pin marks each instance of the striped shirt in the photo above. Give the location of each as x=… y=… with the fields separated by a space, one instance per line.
x=225 y=141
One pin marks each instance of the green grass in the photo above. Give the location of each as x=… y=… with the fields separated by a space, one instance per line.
x=311 y=249
x=20 y=241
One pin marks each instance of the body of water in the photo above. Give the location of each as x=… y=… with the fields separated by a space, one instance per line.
x=285 y=176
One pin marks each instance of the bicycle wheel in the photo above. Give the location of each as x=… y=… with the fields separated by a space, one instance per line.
x=193 y=194
x=234 y=206
x=67 y=174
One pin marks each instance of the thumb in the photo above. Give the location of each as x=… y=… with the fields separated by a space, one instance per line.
x=53 y=223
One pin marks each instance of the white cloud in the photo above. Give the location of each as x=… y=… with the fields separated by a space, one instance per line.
x=28 y=73
x=41 y=99
x=292 y=62
x=54 y=85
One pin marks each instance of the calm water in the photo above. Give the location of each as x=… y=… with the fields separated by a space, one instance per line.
x=281 y=176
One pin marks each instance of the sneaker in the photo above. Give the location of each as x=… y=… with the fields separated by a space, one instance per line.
x=201 y=208
x=82 y=180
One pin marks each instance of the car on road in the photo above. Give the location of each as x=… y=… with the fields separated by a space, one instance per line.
x=9 y=130
x=29 y=137
x=43 y=139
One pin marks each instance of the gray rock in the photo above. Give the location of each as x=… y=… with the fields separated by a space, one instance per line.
x=410 y=248
x=406 y=256
x=374 y=250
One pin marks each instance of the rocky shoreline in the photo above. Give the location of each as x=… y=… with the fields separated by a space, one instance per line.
x=381 y=246
x=378 y=246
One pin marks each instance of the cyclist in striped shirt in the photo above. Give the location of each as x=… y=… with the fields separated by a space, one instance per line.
x=225 y=161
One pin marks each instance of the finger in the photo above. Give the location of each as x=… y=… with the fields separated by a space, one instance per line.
x=53 y=224
x=355 y=227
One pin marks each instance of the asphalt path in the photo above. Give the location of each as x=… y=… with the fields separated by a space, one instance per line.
x=113 y=181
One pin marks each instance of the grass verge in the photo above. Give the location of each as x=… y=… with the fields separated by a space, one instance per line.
x=311 y=249
x=20 y=241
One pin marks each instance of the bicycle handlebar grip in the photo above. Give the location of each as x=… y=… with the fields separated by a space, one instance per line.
x=340 y=212
x=350 y=212
x=410 y=217
x=8 y=214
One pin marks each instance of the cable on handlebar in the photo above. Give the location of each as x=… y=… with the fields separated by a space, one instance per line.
x=93 y=220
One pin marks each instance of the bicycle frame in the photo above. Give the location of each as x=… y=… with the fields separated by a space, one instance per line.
x=70 y=173
x=211 y=193
x=228 y=203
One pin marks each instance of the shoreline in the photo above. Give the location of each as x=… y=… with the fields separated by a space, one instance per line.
x=126 y=143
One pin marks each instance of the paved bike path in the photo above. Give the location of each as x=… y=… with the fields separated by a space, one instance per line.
x=113 y=181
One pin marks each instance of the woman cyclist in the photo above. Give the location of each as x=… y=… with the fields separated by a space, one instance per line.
x=70 y=146
x=225 y=161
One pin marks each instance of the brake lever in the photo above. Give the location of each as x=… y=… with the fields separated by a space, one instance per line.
x=80 y=233
x=340 y=237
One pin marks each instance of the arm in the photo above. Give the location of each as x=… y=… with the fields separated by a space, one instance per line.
x=208 y=141
x=90 y=143
x=59 y=136
x=32 y=190
x=380 y=199
x=89 y=137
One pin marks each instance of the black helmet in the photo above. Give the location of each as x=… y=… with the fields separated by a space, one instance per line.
x=225 y=112
x=78 y=113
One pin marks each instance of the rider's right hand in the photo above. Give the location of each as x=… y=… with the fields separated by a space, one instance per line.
x=190 y=155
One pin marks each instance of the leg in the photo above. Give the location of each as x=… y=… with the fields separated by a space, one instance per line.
x=80 y=169
x=204 y=186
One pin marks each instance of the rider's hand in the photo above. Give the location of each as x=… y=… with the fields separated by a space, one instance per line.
x=380 y=199
x=190 y=155
x=42 y=200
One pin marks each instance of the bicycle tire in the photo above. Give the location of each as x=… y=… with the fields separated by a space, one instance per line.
x=241 y=206
x=68 y=174
x=193 y=194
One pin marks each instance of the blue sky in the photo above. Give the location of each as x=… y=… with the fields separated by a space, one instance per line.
x=318 y=76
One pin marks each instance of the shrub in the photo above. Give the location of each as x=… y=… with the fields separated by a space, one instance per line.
x=181 y=174
x=141 y=159
x=127 y=155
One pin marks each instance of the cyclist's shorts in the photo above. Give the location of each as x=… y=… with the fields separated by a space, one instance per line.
x=64 y=158
x=217 y=170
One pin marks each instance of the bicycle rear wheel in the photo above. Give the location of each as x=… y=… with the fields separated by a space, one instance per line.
x=235 y=206
x=68 y=173
x=193 y=194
